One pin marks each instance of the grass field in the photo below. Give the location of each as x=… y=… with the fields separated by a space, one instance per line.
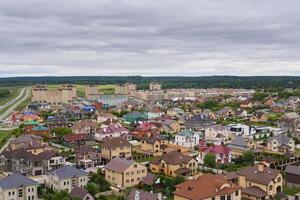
x=4 y=136
x=14 y=92
x=106 y=89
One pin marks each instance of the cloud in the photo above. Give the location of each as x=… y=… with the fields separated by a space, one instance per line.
x=141 y=37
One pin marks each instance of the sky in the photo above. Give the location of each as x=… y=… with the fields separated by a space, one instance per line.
x=149 y=37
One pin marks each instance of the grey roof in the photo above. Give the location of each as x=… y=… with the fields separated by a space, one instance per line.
x=143 y=195
x=186 y=133
x=119 y=164
x=78 y=192
x=16 y=181
x=292 y=169
x=281 y=139
x=238 y=143
x=68 y=172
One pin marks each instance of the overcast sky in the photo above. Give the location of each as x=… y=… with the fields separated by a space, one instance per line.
x=149 y=37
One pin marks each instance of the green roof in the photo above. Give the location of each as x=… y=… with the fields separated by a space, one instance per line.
x=31 y=123
x=40 y=128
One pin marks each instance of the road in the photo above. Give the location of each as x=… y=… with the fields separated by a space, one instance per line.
x=18 y=100
x=12 y=101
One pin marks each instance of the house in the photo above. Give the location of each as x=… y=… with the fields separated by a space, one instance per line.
x=198 y=122
x=40 y=130
x=75 y=140
x=292 y=177
x=281 y=143
x=240 y=145
x=58 y=121
x=187 y=138
x=110 y=131
x=174 y=163
x=18 y=187
x=124 y=173
x=246 y=104
x=103 y=116
x=259 y=117
x=115 y=147
x=154 y=143
x=66 y=178
x=225 y=113
x=207 y=186
x=260 y=182
x=140 y=194
x=217 y=134
x=173 y=112
x=170 y=126
x=134 y=117
x=154 y=113
x=86 y=156
x=86 y=126
x=289 y=122
x=222 y=153
x=241 y=113
x=81 y=194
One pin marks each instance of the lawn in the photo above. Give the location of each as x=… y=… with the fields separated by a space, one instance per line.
x=4 y=136
x=14 y=92
x=297 y=152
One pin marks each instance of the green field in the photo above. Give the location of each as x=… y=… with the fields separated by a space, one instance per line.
x=106 y=89
x=14 y=92
x=4 y=136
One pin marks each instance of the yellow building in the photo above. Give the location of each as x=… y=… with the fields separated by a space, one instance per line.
x=154 y=86
x=91 y=90
x=124 y=173
x=115 y=147
x=260 y=182
x=154 y=143
x=207 y=187
x=174 y=163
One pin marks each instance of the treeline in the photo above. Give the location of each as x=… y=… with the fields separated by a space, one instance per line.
x=167 y=82
x=4 y=93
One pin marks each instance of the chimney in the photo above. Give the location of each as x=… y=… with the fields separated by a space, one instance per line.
x=137 y=195
x=261 y=167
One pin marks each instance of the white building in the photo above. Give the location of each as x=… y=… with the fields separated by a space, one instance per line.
x=217 y=134
x=187 y=138
x=18 y=187
x=241 y=129
x=66 y=178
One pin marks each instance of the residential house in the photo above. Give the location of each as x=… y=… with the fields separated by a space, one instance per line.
x=67 y=178
x=115 y=147
x=281 y=143
x=174 y=163
x=154 y=113
x=124 y=173
x=289 y=122
x=217 y=134
x=208 y=186
x=259 y=117
x=241 y=113
x=103 y=116
x=240 y=144
x=134 y=117
x=81 y=194
x=18 y=187
x=225 y=113
x=173 y=112
x=221 y=152
x=75 y=140
x=58 y=121
x=292 y=177
x=86 y=156
x=110 y=131
x=198 y=122
x=187 y=138
x=154 y=143
x=40 y=130
x=246 y=104
x=86 y=126
x=260 y=182
x=170 y=126
x=136 y=194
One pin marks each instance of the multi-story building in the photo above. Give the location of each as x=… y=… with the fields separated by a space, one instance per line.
x=66 y=178
x=124 y=173
x=207 y=186
x=281 y=143
x=125 y=89
x=154 y=86
x=91 y=90
x=260 y=182
x=115 y=147
x=63 y=95
x=217 y=134
x=154 y=143
x=87 y=156
x=174 y=163
x=18 y=187
x=187 y=138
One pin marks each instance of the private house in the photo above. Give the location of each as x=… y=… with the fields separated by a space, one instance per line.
x=75 y=140
x=187 y=138
x=225 y=113
x=222 y=153
x=103 y=116
x=260 y=182
x=67 y=178
x=241 y=113
x=208 y=186
x=289 y=122
x=81 y=194
x=170 y=126
x=259 y=117
x=240 y=144
x=140 y=194
x=18 y=187
x=110 y=131
x=40 y=130
x=124 y=173
x=281 y=144
x=246 y=104
x=86 y=126
x=173 y=112
x=217 y=134
x=174 y=163
x=154 y=143
x=57 y=121
x=154 y=113
x=292 y=177
x=86 y=156
x=115 y=147
x=198 y=122
x=134 y=117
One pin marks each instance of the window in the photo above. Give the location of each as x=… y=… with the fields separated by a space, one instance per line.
x=278 y=179
x=237 y=193
x=222 y=197
x=271 y=187
x=21 y=192
x=135 y=166
x=213 y=198
x=132 y=180
x=228 y=197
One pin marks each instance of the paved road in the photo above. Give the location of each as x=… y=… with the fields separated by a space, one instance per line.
x=11 y=102
x=18 y=100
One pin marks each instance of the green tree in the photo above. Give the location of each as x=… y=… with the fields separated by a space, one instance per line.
x=61 y=131
x=248 y=157
x=210 y=160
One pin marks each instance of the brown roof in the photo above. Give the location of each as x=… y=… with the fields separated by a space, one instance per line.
x=205 y=186
x=75 y=137
x=119 y=164
x=175 y=158
x=231 y=175
x=84 y=123
x=78 y=192
x=254 y=191
x=115 y=142
x=149 y=179
x=263 y=177
x=84 y=149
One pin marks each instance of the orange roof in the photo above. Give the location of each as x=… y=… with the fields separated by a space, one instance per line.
x=205 y=186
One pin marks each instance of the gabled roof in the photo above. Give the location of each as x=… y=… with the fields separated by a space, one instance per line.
x=186 y=133
x=78 y=192
x=115 y=142
x=119 y=164
x=292 y=169
x=16 y=181
x=142 y=195
x=175 y=158
x=281 y=139
x=68 y=172
x=238 y=143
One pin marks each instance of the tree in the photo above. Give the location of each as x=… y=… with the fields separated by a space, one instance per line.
x=210 y=160
x=61 y=131
x=92 y=188
x=249 y=157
